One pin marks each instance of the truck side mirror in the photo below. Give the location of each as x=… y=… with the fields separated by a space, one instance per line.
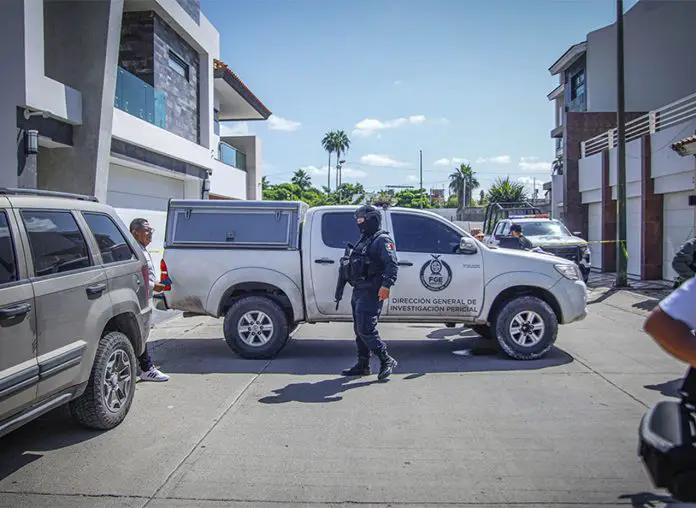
x=467 y=246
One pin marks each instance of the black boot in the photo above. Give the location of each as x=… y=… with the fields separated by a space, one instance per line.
x=362 y=368
x=386 y=365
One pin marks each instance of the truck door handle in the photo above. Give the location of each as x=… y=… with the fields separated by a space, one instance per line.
x=324 y=261
x=14 y=310
x=405 y=263
x=97 y=289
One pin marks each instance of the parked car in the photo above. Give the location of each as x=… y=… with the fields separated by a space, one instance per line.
x=548 y=234
x=74 y=309
x=267 y=266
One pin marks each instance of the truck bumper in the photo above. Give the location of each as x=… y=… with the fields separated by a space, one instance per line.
x=572 y=297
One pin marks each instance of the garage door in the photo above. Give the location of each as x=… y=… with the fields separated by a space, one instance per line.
x=633 y=233
x=678 y=227
x=135 y=193
x=594 y=223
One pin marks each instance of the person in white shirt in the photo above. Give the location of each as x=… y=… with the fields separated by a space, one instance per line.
x=672 y=323
x=142 y=232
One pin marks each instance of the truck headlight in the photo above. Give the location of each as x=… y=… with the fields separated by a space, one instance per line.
x=571 y=272
x=585 y=251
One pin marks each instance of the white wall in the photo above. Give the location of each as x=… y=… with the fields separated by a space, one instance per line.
x=634 y=151
x=656 y=66
x=590 y=173
x=672 y=172
x=557 y=193
x=594 y=223
x=678 y=227
x=447 y=213
x=141 y=133
x=228 y=181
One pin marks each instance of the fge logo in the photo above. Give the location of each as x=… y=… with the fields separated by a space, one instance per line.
x=435 y=274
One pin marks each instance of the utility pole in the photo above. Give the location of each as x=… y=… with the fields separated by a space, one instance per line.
x=621 y=253
x=421 y=173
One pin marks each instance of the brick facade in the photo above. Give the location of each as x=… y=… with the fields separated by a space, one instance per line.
x=146 y=41
x=182 y=94
x=581 y=127
x=192 y=8
x=136 y=53
x=651 y=223
x=609 y=214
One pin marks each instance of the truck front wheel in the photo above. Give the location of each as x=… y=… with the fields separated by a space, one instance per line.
x=526 y=328
x=256 y=327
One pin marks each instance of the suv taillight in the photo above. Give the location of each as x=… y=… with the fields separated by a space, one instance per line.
x=164 y=276
x=145 y=270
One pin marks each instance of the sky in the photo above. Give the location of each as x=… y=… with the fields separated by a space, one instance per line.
x=461 y=80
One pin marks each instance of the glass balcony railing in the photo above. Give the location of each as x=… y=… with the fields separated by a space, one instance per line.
x=229 y=155
x=140 y=99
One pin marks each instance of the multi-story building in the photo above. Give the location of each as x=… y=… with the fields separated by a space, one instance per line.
x=655 y=33
x=126 y=99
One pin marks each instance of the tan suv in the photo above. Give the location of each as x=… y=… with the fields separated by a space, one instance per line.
x=74 y=309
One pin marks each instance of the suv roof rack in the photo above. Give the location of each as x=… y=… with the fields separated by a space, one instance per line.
x=45 y=193
x=502 y=210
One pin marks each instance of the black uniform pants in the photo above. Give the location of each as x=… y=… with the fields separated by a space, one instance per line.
x=367 y=308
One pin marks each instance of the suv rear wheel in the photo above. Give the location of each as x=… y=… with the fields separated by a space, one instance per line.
x=526 y=328
x=256 y=327
x=111 y=387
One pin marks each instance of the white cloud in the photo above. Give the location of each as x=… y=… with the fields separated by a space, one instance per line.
x=454 y=161
x=346 y=172
x=398 y=82
x=374 y=159
x=278 y=123
x=498 y=159
x=529 y=159
x=369 y=126
x=234 y=129
x=412 y=178
x=535 y=166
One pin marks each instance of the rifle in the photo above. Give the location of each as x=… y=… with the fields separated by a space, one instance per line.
x=342 y=274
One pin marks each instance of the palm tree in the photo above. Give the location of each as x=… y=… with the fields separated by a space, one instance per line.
x=506 y=191
x=341 y=144
x=463 y=182
x=302 y=179
x=557 y=166
x=328 y=145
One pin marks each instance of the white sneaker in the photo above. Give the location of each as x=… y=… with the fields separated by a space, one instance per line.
x=153 y=375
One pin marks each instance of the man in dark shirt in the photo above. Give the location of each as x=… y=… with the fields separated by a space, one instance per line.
x=516 y=231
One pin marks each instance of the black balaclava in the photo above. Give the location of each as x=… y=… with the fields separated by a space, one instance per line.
x=373 y=219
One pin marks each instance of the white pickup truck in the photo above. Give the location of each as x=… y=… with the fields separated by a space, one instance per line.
x=268 y=266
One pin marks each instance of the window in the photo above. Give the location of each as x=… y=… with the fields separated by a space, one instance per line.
x=178 y=65
x=413 y=233
x=339 y=228
x=546 y=228
x=499 y=229
x=112 y=244
x=57 y=245
x=577 y=85
x=8 y=267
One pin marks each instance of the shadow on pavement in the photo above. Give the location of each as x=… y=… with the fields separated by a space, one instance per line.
x=668 y=388
x=456 y=353
x=319 y=392
x=52 y=431
x=649 y=500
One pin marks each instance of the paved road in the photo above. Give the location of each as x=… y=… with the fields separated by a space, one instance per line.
x=448 y=430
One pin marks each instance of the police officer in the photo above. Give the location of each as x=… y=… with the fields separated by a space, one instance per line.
x=375 y=251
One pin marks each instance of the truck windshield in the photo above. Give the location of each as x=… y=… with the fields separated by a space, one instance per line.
x=545 y=228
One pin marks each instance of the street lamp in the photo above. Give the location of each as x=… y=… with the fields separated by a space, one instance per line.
x=339 y=167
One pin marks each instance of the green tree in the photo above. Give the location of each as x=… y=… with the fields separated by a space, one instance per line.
x=302 y=179
x=462 y=183
x=482 y=198
x=506 y=191
x=265 y=184
x=452 y=201
x=341 y=144
x=412 y=198
x=328 y=144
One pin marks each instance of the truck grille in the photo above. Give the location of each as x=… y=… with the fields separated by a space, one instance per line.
x=572 y=253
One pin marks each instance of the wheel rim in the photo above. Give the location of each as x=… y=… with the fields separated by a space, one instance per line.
x=118 y=378
x=255 y=328
x=527 y=328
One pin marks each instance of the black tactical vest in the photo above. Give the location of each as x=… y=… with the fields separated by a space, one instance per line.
x=357 y=266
